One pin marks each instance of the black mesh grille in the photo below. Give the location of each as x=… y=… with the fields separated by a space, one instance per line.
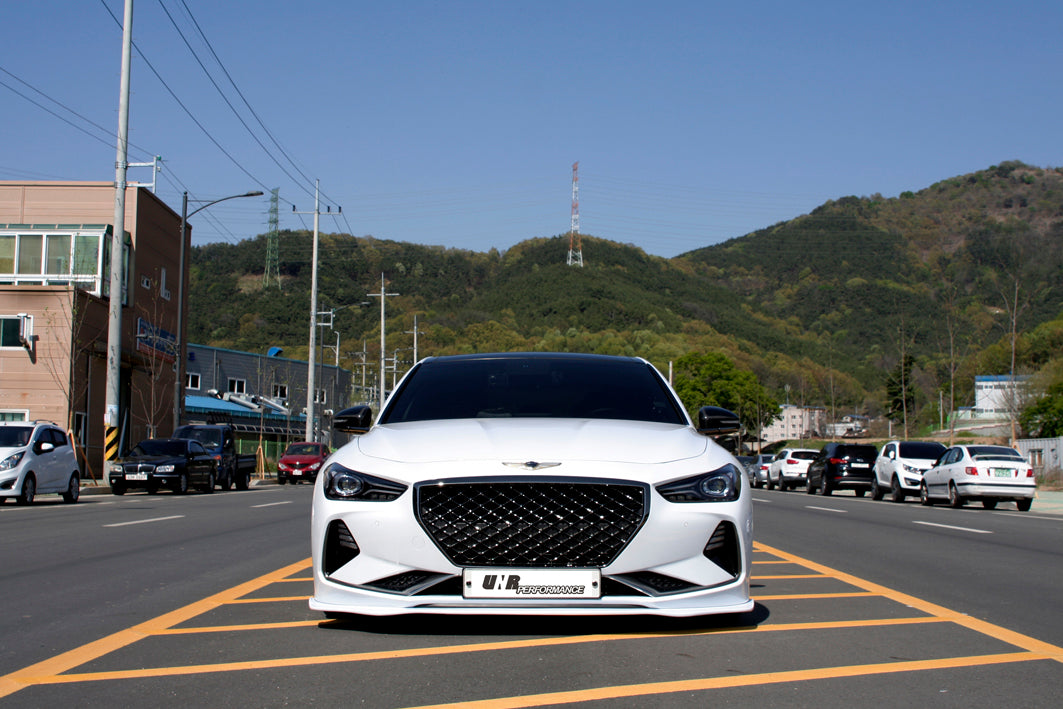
x=533 y=523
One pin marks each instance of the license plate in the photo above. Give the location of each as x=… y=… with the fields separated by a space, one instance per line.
x=860 y=465
x=532 y=583
x=136 y=476
x=297 y=472
x=1002 y=473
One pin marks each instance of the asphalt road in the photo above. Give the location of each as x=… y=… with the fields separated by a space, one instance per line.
x=200 y=600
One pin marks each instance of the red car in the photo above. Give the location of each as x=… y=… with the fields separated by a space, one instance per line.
x=301 y=461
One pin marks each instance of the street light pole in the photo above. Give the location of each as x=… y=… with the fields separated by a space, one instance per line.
x=179 y=346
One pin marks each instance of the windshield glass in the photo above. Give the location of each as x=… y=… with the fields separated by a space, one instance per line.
x=804 y=455
x=15 y=436
x=209 y=437
x=160 y=447
x=303 y=449
x=917 y=449
x=539 y=387
x=994 y=453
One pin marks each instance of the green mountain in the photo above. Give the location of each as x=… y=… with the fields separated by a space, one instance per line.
x=818 y=307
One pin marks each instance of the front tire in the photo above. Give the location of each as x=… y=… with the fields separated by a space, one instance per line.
x=896 y=491
x=118 y=488
x=809 y=490
x=180 y=487
x=209 y=487
x=73 y=489
x=924 y=496
x=29 y=490
x=989 y=504
x=876 y=491
x=1024 y=504
x=824 y=488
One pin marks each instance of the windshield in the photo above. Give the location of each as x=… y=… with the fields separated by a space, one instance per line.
x=916 y=449
x=15 y=436
x=160 y=447
x=209 y=437
x=862 y=452
x=303 y=449
x=994 y=453
x=804 y=455
x=536 y=387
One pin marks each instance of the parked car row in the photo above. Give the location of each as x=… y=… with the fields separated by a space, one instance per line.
x=985 y=473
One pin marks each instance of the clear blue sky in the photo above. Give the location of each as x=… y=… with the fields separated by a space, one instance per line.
x=457 y=123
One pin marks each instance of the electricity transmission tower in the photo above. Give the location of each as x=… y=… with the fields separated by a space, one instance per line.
x=575 y=242
x=272 y=270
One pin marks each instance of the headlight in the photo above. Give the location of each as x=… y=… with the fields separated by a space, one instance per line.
x=164 y=469
x=11 y=461
x=721 y=485
x=313 y=466
x=344 y=484
x=283 y=466
x=115 y=468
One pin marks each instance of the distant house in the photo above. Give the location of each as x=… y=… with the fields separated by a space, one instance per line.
x=794 y=423
x=996 y=399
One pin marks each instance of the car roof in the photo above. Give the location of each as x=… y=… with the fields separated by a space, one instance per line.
x=531 y=356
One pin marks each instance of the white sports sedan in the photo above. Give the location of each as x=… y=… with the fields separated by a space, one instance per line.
x=991 y=474
x=544 y=484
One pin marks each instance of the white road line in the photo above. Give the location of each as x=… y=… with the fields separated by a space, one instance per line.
x=827 y=509
x=960 y=529
x=144 y=521
x=272 y=504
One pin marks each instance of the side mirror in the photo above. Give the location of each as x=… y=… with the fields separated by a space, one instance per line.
x=717 y=421
x=44 y=447
x=356 y=419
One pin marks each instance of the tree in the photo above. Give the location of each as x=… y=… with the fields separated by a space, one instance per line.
x=1044 y=417
x=712 y=379
x=900 y=395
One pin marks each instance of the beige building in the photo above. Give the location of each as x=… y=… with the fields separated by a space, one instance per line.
x=55 y=241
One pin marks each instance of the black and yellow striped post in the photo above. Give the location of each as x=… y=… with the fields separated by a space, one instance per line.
x=110 y=443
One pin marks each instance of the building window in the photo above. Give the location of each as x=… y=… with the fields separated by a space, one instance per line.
x=81 y=423
x=1037 y=458
x=237 y=386
x=14 y=415
x=192 y=380
x=9 y=331
x=280 y=391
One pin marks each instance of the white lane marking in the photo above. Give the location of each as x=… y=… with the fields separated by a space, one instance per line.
x=757 y=499
x=144 y=521
x=272 y=504
x=959 y=529
x=1026 y=515
x=827 y=509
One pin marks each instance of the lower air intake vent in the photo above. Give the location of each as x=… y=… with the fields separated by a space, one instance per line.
x=722 y=549
x=340 y=547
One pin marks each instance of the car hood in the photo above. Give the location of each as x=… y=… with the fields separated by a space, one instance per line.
x=532 y=439
x=300 y=459
x=6 y=451
x=153 y=459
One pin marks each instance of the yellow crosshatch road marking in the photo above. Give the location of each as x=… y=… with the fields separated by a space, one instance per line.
x=59 y=669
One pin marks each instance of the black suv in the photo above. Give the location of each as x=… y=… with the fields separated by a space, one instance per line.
x=842 y=466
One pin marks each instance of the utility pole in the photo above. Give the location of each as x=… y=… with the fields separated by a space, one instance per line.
x=383 y=356
x=311 y=383
x=414 y=332
x=111 y=418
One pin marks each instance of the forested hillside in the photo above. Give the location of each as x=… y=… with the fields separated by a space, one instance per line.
x=819 y=308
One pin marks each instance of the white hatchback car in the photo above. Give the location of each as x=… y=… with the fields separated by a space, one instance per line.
x=37 y=457
x=991 y=474
x=900 y=466
x=789 y=467
x=532 y=484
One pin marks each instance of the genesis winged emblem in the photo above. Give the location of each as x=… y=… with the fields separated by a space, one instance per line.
x=531 y=465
